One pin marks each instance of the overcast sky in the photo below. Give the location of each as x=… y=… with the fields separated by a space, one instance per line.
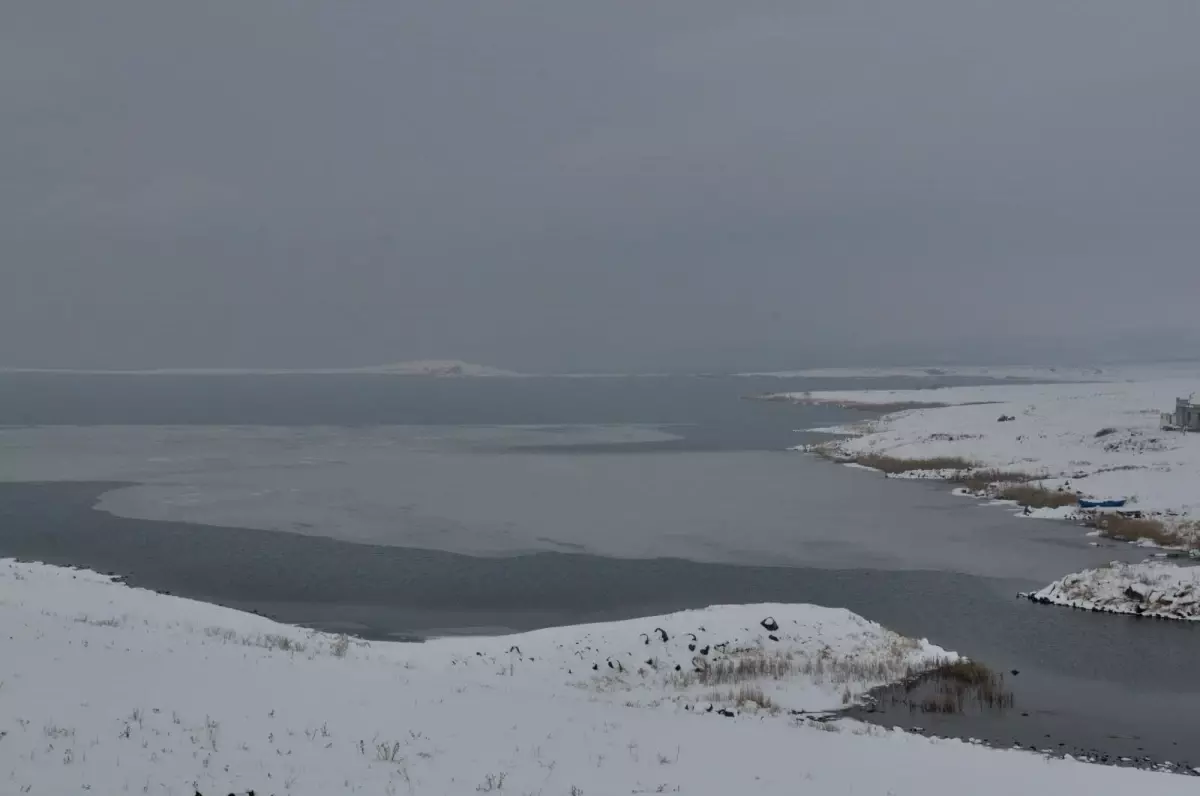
x=604 y=185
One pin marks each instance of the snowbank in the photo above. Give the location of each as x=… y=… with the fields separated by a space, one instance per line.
x=1103 y=438
x=114 y=690
x=1151 y=588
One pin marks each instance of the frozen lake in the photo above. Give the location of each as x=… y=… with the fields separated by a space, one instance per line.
x=509 y=491
x=395 y=507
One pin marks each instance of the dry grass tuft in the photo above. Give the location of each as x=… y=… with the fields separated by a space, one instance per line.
x=273 y=641
x=828 y=452
x=893 y=465
x=110 y=622
x=966 y=672
x=1037 y=496
x=891 y=663
x=953 y=688
x=861 y=406
x=979 y=480
x=743 y=695
x=746 y=668
x=1133 y=528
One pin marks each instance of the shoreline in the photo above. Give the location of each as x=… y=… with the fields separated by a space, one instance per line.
x=1042 y=454
x=925 y=724
x=1045 y=446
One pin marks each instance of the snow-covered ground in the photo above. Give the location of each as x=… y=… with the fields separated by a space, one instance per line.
x=1151 y=588
x=1105 y=439
x=1101 y=373
x=106 y=689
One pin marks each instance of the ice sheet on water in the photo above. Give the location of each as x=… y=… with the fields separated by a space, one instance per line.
x=445 y=488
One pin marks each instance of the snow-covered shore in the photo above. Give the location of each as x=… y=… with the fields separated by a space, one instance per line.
x=1105 y=439
x=108 y=689
x=1152 y=588
x=1016 y=373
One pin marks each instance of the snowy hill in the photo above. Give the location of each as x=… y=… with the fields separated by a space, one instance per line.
x=106 y=689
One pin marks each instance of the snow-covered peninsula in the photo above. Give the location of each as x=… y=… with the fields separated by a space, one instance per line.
x=1096 y=440
x=1048 y=446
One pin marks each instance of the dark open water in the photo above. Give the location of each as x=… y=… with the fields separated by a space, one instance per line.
x=476 y=525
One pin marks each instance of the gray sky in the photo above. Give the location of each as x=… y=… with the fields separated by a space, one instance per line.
x=620 y=184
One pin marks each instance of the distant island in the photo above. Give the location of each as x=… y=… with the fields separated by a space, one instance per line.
x=435 y=368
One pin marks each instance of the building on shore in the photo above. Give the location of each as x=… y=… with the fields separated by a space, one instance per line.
x=1186 y=417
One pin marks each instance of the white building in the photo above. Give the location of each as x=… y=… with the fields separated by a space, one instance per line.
x=1186 y=417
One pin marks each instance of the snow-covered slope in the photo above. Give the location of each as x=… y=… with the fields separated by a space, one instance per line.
x=107 y=689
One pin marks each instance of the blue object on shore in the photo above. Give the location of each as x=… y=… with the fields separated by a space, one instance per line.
x=1101 y=504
